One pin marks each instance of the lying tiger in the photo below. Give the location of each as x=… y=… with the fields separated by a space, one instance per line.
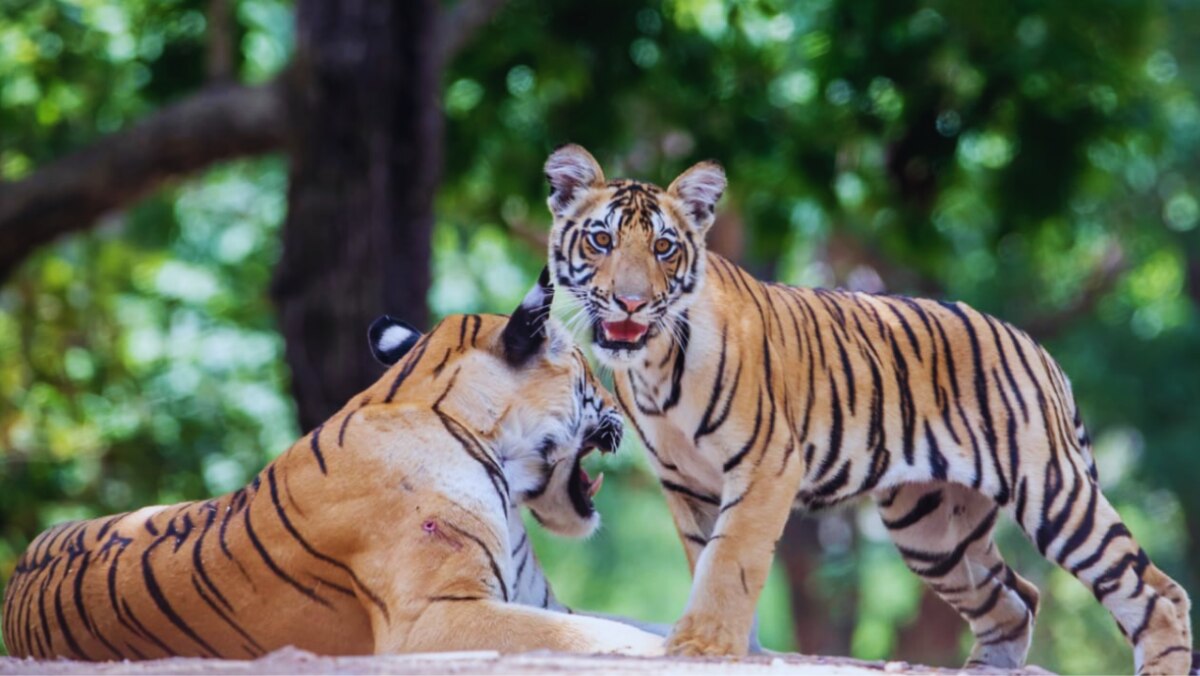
x=392 y=527
x=752 y=398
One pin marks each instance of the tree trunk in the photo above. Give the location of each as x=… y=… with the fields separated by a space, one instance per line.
x=932 y=637
x=823 y=624
x=366 y=158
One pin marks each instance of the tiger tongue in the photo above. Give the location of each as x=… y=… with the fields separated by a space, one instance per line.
x=625 y=331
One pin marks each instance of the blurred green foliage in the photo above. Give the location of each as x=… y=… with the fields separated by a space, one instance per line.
x=1036 y=159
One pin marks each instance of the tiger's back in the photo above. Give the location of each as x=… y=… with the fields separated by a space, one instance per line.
x=193 y=579
x=391 y=527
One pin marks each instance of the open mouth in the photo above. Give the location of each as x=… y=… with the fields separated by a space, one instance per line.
x=623 y=335
x=581 y=487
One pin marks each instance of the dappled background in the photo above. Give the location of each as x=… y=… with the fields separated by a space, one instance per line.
x=203 y=203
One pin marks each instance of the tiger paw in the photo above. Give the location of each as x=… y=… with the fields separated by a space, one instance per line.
x=705 y=636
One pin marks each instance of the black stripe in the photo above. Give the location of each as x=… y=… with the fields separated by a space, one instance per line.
x=1115 y=531
x=937 y=461
x=279 y=572
x=488 y=553
x=847 y=371
x=315 y=443
x=817 y=496
x=83 y=611
x=228 y=620
x=156 y=593
x=346 y=421
x=707 y=424
x=63 y=625
x=1136 y=636
x=684 y=490
x=944 y=562
x=1083 y=531
x=665 y=464
x=198 y=559
x=141 y=629
x=312 y=551
x=680 y=352
x=912 y=337
x=410 y=363
x=835 y=434
x=41 y=604
x=737 y=458
x=926 y=505
x=986 y=607
x=908 y=410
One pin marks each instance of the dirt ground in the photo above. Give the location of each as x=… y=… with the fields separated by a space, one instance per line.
x=292 y=661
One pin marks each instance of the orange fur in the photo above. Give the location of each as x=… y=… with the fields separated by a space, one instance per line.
x=392 y=527
x=753 y=398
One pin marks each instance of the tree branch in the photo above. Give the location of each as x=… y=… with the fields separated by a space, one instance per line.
x=462 y=21
x=70 y=193
x=1101 y=280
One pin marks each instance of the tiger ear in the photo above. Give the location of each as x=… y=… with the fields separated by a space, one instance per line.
x=570 y=170
x=699 y=188
x=391 y=339
x=525 y=332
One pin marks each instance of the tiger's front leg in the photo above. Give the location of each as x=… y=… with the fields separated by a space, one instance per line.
x=733 y=565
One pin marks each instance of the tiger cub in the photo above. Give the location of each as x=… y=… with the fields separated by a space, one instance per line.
x=753 y=398
x=392 y=527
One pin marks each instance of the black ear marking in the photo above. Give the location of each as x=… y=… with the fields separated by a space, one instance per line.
x=525 y=332
x=391 y=339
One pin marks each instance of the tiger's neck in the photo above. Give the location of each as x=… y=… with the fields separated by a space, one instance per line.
x=726 y=290
x=720 y=328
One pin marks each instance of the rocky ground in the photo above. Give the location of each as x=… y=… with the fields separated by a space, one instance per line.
x=292 y=661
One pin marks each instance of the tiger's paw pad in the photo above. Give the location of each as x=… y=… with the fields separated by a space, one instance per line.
x=698 y=638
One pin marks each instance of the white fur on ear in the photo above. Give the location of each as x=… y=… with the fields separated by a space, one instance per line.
x=699 y=188
x=393 y=337
x=390 y=339
x=570 y=170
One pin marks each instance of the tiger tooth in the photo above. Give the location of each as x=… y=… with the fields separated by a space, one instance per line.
x=595 y=487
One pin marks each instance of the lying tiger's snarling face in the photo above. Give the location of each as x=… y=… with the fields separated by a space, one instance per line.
x=521 y=385
x=631 y=253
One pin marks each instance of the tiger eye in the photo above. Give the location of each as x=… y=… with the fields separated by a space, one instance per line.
x=662 y=245
x=602 y=239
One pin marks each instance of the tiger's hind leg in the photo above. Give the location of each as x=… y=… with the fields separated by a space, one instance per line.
x=944 y=534
x=1073 y=524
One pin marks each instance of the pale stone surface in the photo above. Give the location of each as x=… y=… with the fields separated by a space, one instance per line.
x=292 y=661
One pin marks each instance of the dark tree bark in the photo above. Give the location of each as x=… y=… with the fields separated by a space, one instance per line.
x=366 y=157
x=932 y=636
x=819 y=628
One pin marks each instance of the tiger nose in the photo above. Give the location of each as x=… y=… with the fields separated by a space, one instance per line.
x=631 y=303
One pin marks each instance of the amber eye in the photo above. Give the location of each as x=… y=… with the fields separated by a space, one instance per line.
x=663 y=246
x=601 y=240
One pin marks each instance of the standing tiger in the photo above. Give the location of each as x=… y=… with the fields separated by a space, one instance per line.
x=752 y=398
x=392 y=527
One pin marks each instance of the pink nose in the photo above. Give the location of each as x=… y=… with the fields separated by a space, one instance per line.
x=631 y=303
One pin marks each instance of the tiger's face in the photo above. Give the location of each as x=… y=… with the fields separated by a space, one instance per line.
x=631 y=254
x=523 y=386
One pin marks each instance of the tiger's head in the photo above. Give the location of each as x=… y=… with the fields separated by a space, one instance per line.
x=630 y=253
x=521 y=388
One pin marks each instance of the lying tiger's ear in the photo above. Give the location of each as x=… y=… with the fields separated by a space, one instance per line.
x=525 y=332
x=391 y=339
x=571 y=170
x=699 y=188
